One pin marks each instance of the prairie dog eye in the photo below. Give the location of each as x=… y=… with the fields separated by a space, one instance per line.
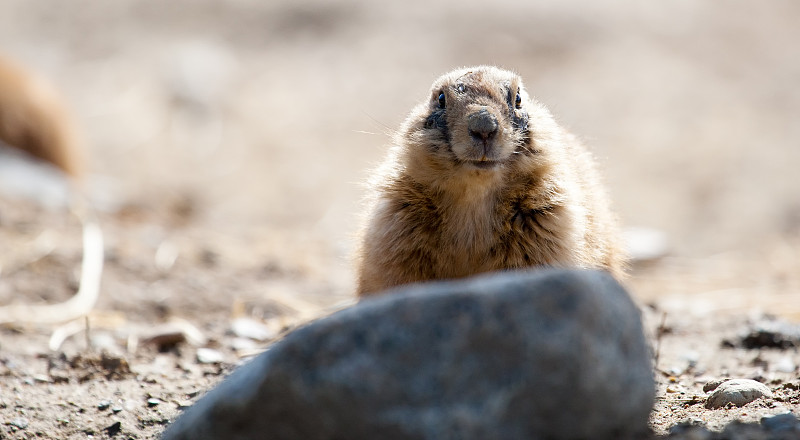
x=518 y=101
x=441 y=100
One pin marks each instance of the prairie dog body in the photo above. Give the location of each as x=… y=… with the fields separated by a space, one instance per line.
x=482 y=178
x=33 y=119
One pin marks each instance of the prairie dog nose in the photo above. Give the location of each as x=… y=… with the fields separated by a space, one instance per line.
x=482 y=125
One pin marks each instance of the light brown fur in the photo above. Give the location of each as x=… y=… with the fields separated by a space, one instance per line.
x=33 y=119
x=450 y=202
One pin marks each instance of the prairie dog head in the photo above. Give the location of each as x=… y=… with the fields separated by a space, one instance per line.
x=476 y=120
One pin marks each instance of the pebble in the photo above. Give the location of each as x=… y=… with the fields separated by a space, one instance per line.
x=20 y=423
x=693 y=429
x=151 y=402
x=771 y=334
x=104 y=404
x=209 y=356
x=243 y=344
x=175 y=331
x=104 y=341
x=645 y=244
x=252 y=329
x=712 y=385
x=785 y=365
x=113 y=429
x=739 y=392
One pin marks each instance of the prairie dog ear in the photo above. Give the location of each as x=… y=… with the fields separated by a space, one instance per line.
x=33 y=118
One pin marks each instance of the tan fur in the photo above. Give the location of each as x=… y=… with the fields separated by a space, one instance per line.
x=33 y=119
x=448 y=204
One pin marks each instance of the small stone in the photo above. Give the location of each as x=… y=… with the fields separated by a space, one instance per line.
x=690 y=430
x=19 y=422
x=785 y=422
x=691 y=357
x=164 y=336
x=174 y=332
x=116 y=409
x=103 y=405
x=739 y=392
x=645 y=244
x=791 y=386
x=712 y=385
x=252 y=329
x=785 y=365
x=243 y=344
x=209 y=356
x=151 y=402
x=104 y=341
x=771 y=334
x=114 y=429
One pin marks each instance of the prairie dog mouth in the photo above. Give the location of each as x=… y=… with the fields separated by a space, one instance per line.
x=484 y=164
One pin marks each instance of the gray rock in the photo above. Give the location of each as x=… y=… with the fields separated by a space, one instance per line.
x=739 y=392
x=785 y=422
x=546 y=354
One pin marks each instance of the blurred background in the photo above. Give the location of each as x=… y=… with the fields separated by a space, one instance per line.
x=253 y=123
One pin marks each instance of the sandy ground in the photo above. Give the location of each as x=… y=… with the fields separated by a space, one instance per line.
x=226 y=143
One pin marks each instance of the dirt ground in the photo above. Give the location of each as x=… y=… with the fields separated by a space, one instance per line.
x=226 y=142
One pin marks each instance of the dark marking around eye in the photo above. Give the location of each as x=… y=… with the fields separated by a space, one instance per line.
x=437 y=121
x=520 y=121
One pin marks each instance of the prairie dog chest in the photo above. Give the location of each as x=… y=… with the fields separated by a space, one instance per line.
x=469 y=228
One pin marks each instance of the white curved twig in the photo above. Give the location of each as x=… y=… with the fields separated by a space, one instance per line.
x=83 y=301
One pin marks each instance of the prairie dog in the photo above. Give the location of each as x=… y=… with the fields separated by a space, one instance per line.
x=482 y=178
x=33 y=119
